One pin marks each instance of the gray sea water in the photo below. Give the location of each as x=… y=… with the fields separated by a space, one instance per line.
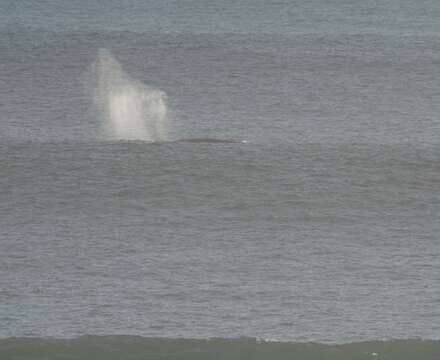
x=315 y=217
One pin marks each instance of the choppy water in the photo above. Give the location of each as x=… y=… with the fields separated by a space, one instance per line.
x=314 y=218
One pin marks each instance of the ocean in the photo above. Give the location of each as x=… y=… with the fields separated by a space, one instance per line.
x=219 y=180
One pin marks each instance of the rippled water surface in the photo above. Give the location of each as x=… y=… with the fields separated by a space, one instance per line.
x=295 y=195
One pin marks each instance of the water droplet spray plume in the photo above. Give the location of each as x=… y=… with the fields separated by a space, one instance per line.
x=129 y=109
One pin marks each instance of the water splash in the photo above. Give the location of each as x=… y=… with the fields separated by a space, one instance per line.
x=129 y=109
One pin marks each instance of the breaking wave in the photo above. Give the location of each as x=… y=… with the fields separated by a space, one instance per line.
x=135 y=347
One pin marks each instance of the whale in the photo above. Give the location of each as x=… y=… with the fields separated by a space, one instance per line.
x=210 y=140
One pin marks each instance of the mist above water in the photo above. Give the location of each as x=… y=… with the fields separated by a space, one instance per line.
x=129 y=109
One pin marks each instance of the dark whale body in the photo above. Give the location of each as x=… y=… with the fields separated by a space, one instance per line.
x=209 y=140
